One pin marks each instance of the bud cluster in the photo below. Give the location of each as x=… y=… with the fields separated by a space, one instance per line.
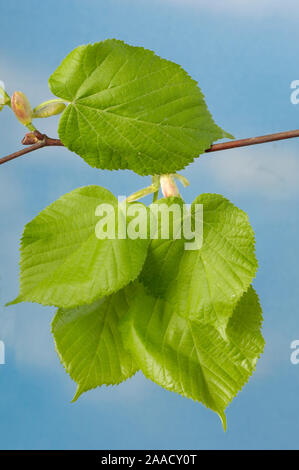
x=22 y=109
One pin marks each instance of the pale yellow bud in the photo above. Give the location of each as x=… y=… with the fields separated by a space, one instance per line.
x=168 y=186
x=21 y=107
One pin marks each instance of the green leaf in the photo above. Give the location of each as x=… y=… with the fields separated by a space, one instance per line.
x=205 y=283
x=164 y=254
x=130 y=109
x=63 y=263
x=190 y=357
x=89 y=343
x=210 y=281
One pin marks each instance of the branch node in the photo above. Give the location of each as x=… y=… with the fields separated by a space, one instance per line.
x=32 y=138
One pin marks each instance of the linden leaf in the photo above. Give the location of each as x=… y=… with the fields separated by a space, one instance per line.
x=190 y=357
x=63 y=263
x=89 y=343
x=211 y=280
x=205 y=283
x=130 y=109
x=167 y=246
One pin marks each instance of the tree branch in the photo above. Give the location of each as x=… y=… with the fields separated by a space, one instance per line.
x=36 y=141
x=254 y=140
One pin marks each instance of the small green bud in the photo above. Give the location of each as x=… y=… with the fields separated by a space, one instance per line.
x=4 y=98
x=48 y=109
x=168 y=186
x=21 y=107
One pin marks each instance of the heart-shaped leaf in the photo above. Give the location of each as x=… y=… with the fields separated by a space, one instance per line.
x=130 y=109
x=89 y=343
x=63 y=263
x=205 y=283
x=189 y=357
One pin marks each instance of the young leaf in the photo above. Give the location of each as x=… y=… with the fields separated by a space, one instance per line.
x=210 y=281
x=89 y=343
x=189 y=357
x=130 y=109
x=164 y=254
x=63 y=263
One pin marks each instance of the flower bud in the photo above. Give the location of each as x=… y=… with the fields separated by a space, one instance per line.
x=21 y=107
x=168 y=186
x=48 y=109
x=4 y=98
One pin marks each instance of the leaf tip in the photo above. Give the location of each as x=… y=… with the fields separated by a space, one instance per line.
x=78 y=393
x=17 y=300
x=223 y=420
x=227 y=135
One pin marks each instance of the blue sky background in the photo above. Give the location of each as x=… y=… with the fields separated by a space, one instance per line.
x=244 y=55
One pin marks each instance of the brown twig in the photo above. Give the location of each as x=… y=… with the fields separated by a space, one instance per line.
x=36 y=140
x=254 y=140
